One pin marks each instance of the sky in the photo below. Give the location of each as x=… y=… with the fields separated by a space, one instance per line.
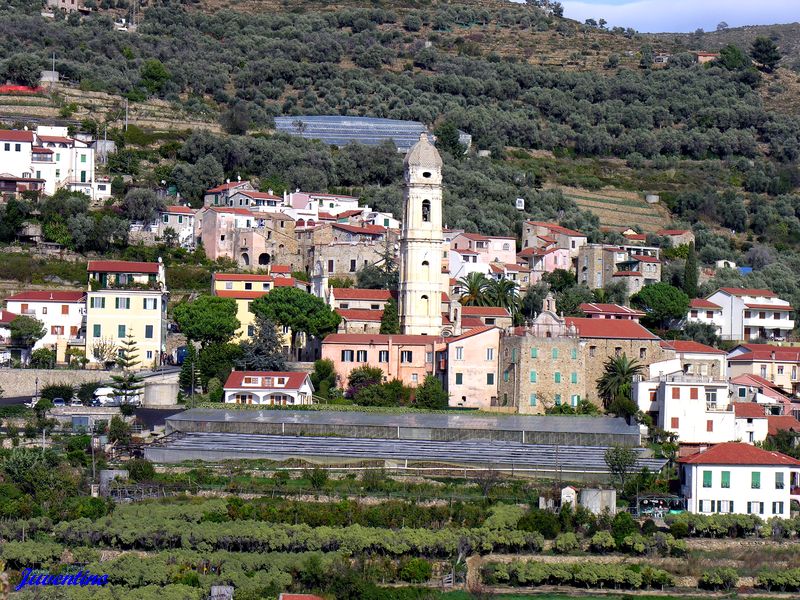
x=655 y=16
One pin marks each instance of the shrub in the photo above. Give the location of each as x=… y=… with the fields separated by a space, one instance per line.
x=416 y=570
x=724 y=578
x=603 y=542
x=566 y=543
x=140 y=469
x=317 y=477
x=215 y=390
x=58 y=390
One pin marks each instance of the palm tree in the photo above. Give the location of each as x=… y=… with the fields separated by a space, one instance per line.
x=617 y=379
x=503 y=293
x=475 y=287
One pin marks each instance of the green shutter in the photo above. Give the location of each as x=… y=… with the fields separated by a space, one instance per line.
x=533 y=376
x=726 y=479
x=755 y=480
x=533 y=399
x=558 y=399
x=557 y=377
x=121 y=331
x=459 y=378
x=574 y=378
x=505 y=375
x=555 y=352
x=96 y=330
x=574 y=353
x=534 y=353
x=707 y=480
x=116 y=303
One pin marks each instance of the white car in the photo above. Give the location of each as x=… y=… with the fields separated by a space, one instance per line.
x=76 y=402
x=105 y=395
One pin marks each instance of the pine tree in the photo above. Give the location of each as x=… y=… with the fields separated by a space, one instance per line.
x=390 y=321
x=690 y=273
x=128 y=385
x=264 y=352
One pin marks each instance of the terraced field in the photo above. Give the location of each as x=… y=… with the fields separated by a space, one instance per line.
x=620 y=210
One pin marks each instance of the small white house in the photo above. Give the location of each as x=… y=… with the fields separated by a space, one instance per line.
x=752 y=313
x=273 y=388
x=740 y=478
x=705 y=311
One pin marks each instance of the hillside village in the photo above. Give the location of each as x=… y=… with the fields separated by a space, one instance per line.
x=484 y=323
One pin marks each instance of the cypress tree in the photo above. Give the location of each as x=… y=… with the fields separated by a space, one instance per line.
x=390 y=321
x=128 y=385
x=690 y=273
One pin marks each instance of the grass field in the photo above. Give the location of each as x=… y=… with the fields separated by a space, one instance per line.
x=550 y=596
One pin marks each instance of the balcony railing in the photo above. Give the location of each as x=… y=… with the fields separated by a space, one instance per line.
x=27 y=311
x=714 y=407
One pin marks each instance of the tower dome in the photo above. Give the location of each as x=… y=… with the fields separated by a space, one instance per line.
x=423 y=154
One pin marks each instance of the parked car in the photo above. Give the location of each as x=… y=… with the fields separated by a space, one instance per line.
x=76 y=402
x=95 y=402
x=59 y=402
x=104 y=395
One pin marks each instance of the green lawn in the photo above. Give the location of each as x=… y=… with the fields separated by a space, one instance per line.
x=549 y=596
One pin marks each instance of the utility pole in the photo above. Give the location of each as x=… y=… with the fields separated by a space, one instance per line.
x=126 y=114
x=192 y=383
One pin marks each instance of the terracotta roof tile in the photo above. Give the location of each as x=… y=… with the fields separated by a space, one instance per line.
x=624 y=329
x=754 y=292
x=627 y=274
x=733 y=453
x=777 y=423
x=702 y=303
x=380 y=339
x=772 y=307
x=16 y=135
x=121 y=266
x=48 y=296
x=484 y=311
x=361 y=229
x=6 y=317
x=557 y=228
x=691 y=347
x=226 y=186
x=294 y=379
x=361 y=294
x=360 y=314
x=749 y=410
x=594 y=308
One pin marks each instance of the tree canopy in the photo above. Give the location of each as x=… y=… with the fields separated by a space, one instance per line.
x=661 y=303
x=26 y=330
x=208 y=319
x=297 y=310
x=264 y=350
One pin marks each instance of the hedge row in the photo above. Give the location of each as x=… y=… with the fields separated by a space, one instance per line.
x=589 y=575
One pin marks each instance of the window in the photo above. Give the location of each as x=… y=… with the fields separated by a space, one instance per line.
x=7 y=147
x=180 y=219
x=344 y=305
x=406 y=356
x=265 y=287
x=642 y=352
x=557 y=377
x=711 y=396
x=534 y=353
x=674 y=422
x=96 y=330
x=505 y=375
x=121 y=331
x=573 y=378
x=533 y=376
x=762 y=315
x=794 y=373
x=58 y=171
x=330 y=265
x=122 y=303
x=490 y=354
x=56 y=330
x=693 y=393
x=248 y=286
x=352 y=266
x=228 y=285
x=709 y=314
x=755 y=508
x=150 y=303
x=777 y=508
x=778 y=481
x=558 y=399
x=763 y=371
x=83 y=158
x=426 y=210
x=676 y=393
x=742 y=392
x=361 y=356
x=707 y=479
x=347 y=356
x=150 y=354
x=460 y=353
x=489 y=321
x=617 y=351
x=44 y=310
x=725 y=506
x=490 y=379
x=574 y=354
x=747 y=314
x=17 y=147
x=709 y=425
x=459 y=378
x=429 y=357
x=575 y=399
x=251 y=330
x=555 y=352
x=532 y=399
x=383 y=356
x=755 y=480
x=592 y=351
x=148 y=331
x=65 y=309
x=414 y=378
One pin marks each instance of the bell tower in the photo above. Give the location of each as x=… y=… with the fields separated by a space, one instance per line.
x=420 y=294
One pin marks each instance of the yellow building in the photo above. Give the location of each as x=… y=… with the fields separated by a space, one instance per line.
x=244 y=288
x=126 y=298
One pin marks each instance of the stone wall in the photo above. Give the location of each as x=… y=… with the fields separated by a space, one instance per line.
x=22 y=382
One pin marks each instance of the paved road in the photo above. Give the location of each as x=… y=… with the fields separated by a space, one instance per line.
x=14 y=400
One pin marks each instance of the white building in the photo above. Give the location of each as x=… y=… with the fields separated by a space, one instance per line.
x=5 y=334
x=51 y=155
x=740 y=478
x=62 y=313
x=272 y=388
x=181 y=219
x=705 y=311
x=752 y=313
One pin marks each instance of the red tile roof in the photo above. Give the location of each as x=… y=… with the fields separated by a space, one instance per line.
x=294 y=381
x=465 y=251
x=47 y=296
x=733 y=453
x=644 y=258
x=624 y=329
x=179 y=210
x=471 y=322
x=361 y=229
x=484 y=311
x=755 y=292
x=361 y=294
x=635 y=236
x=702 y=303
x=360 y=314
x=16 y=135
x=782 y=354
x=244 y=212
x=777 y=423
x=280 y=269
x=557 y=228
x=40 y=150
x=121 y=266
x=593 y=308
x=348 y=213
x=538 y=251
x=749 y=410
x=381 y=339
x=475 y=237
x=470 y=333
x=672 y=231
x=260 y=195
x=226 y=186
x=767 y=388
x=6 y=317
x=691 y=347
x=56 y=139
x=773 y=307
x=547 y=238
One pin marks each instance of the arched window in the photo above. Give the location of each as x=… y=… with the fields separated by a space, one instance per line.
x=426 y=210
x=245 y=259
x=426 y=174
x=506 y=247
x=425 y=303
x=263 y=258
